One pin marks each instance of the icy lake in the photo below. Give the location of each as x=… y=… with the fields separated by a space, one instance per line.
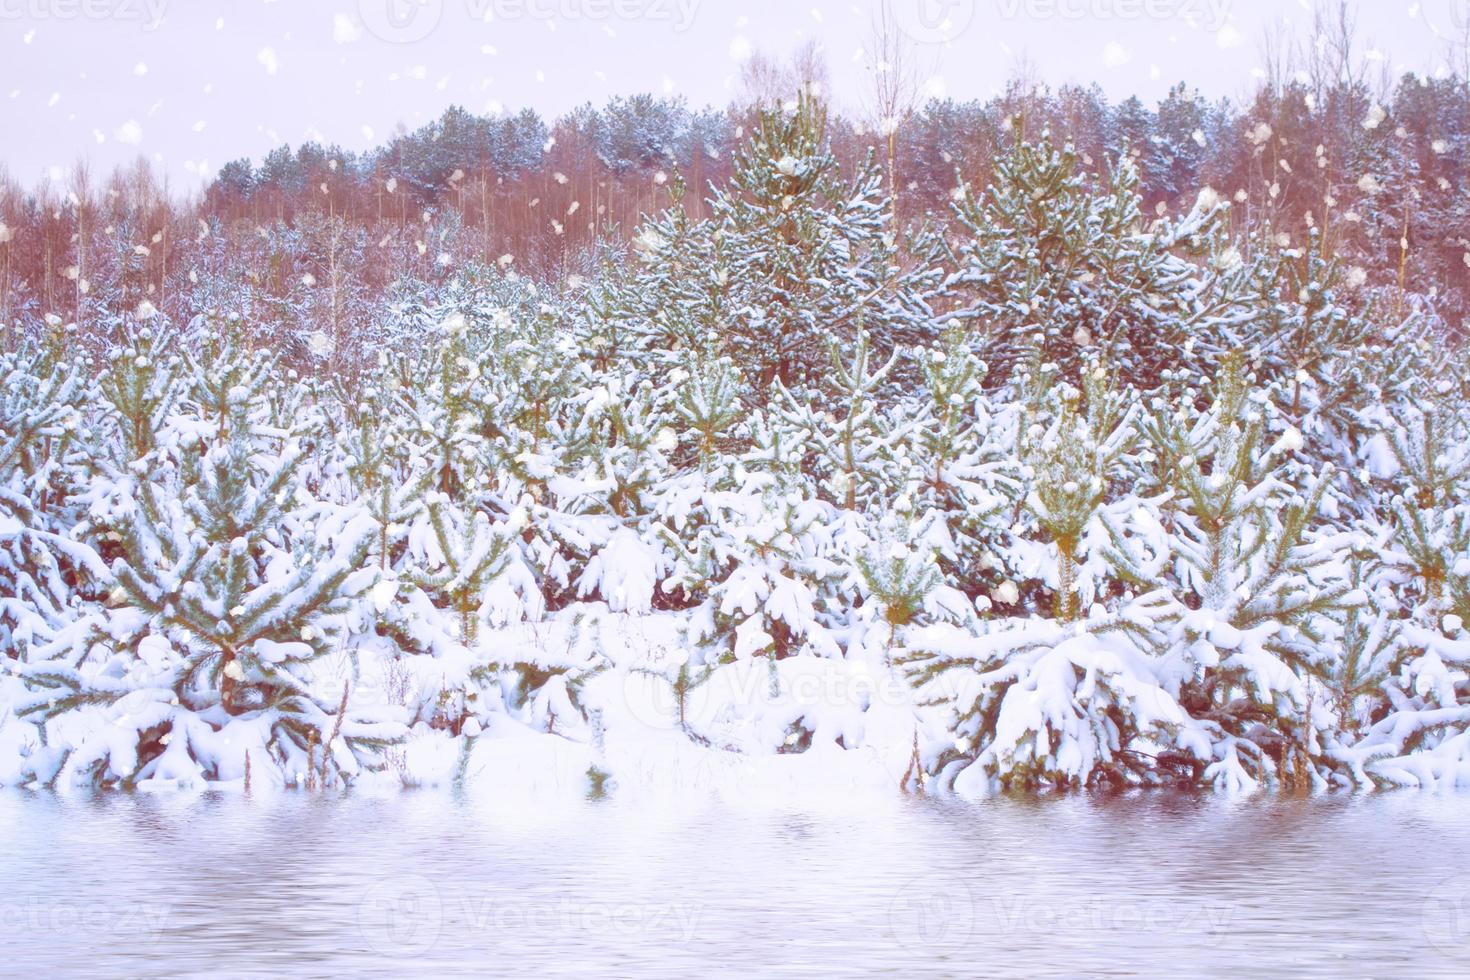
x=1150 y=884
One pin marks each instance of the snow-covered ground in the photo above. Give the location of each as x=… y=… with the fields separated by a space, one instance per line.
x=736 y=734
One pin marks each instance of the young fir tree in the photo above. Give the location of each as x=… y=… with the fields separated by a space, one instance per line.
x=852 y=447
x=806 y=254
x=42 y=566
x=1070 y=462
x=617 y=485
x=1069 y=697
x=760 y=558
x=707 y=402
x=463 y=549
x=1050 y=268
x=1307 y=340
x=533 y=389
x=902 y=578
x=1407 y=721
x=447 y=429
x=676 y=294
x=464 y=555
x=377 y=470
x=963 y=446
x=231 y=583
x=381 y=471
x=1360 y=683
x=708 y=411
x=1038 y=702
x=1430 y=517
x=1259 y=577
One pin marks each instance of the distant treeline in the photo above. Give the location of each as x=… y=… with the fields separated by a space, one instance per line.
x=1382 y=171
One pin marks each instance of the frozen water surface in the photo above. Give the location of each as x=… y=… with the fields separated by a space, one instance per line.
x=1148 y=884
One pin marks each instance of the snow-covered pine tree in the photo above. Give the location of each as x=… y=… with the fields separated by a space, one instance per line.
x=419 y=448
x=1360 y=684
x=379 y=471
x=141 y=386
x=447 y=428
x=855 y=454
x=806 y=254
x=1048 y=266
x=1261 y=577
x=963 y=446
x=1071 y=460
x=672 y=300
x=903 y=582
x=708 y=411
x=615 y=488
x=462 y=547
x=1070 y=697
x=231 y=583
x=42 y=566
x=707 y=401
x=1306 y=340
x=761 y=559
x=462 y=557
x=380 y=467
x=1412 y=720
x=1431 y=447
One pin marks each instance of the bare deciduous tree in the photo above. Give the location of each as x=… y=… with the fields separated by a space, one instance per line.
x=893 y=62
x=765 y=80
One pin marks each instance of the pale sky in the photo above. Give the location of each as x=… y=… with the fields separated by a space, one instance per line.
x=192 y=84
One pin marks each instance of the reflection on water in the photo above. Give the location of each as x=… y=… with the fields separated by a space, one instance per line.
x=1152 y=884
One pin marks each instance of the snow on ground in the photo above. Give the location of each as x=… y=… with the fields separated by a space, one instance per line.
x=801 y=727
